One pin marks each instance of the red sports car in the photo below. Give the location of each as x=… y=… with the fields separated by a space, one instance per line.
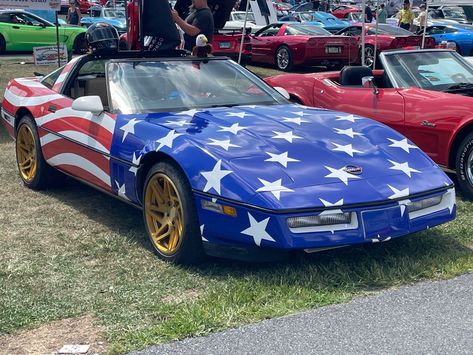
x=85 y=5
x=389 y=37
x=289 y=44
x=228 y=43
x=427 y=95
x=341 y=11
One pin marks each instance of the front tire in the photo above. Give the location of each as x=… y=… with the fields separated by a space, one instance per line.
x=284 y=58
x=3 y=46
x=464 y=166
x=170 y=215
x=34 y=171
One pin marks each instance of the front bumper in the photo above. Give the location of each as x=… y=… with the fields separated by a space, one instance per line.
x=250 y=226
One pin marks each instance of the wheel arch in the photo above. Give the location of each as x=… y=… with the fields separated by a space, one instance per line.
x=456 y=141
x=21 y=112
x=146 y=163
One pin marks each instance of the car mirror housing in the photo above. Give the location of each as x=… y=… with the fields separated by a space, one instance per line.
x=368 y=82
x=88 y=104
x=283 y=92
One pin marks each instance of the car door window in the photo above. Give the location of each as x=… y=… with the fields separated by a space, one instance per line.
x=90 y=80
x=30 y=20
x=271 y=31
x=50 y=79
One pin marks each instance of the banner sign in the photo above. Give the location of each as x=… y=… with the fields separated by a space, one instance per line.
x=31 y=4
x=48 y=55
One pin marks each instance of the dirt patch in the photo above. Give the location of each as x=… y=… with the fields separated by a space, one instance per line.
x=49 y=338
x=184 y=296
x=470 y=246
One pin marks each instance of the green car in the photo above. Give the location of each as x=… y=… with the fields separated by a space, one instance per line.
x=21 y=31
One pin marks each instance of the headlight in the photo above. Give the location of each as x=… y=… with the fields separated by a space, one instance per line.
x=425 y=203
x=320 y=220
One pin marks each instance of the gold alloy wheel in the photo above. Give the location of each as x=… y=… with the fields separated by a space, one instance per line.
x=163 y=212
x=26 y=153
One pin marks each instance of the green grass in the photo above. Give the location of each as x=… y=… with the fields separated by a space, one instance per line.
x=74 y=251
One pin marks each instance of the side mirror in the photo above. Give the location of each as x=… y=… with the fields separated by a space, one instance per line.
x=283 y=92
x=88 y=104
x=368 y=82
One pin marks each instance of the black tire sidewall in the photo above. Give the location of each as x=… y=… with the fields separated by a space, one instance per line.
x=289 y=64
x=465 y=149
x=3 y=45
x=190 y=249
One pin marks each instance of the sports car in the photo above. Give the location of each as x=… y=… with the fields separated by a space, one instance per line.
x=342 y=11
x=427 y=95
x=461 y=35
x=289 y=44
x=113 y=16
x=217 y=159
x=21 y=31
x=317 y=18
x=389 y=37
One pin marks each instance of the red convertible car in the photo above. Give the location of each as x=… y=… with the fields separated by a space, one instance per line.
x=289 y=44
x=389 y=37
x=427 y=95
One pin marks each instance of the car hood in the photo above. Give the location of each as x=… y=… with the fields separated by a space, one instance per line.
x=304 y=153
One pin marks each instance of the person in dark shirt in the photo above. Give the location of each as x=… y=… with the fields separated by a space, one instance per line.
x=200 y=21
x=368 y=13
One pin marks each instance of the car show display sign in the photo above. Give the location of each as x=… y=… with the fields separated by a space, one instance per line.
x=48 y=55
x=31 y=4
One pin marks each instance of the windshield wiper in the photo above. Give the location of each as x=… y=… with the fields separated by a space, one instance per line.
x=460 y=86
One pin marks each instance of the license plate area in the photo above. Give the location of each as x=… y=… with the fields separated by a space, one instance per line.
x=333 y=50
x=224 y=45
x=385 y=223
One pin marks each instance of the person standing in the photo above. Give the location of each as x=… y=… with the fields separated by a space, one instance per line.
x=200 y=21
x=422 y=17
x=368 y=13
x=73 y=13
x=406 y=16
x=382 y=14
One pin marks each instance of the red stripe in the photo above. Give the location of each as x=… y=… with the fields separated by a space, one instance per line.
x=84 y=175
x=82 y=125
x=64 y=146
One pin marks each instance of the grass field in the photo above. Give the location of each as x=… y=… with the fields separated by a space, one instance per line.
x=76 y=259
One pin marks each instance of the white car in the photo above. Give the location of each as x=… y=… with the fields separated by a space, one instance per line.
x=237 y=21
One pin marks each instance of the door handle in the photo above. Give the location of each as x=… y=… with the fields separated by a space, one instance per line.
x=15 y=27
x=52 y=108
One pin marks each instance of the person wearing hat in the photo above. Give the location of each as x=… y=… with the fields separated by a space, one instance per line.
x=422 y=17
x=406 y=16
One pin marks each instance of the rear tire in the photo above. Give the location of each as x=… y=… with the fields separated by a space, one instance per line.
x=464 y=167
x=170 y=215
x=284 y=58
x=80 y=44
x=3 y=46
x=34 y=171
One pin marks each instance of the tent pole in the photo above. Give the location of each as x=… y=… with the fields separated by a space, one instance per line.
x=363 y=5
x=243 y=32
x=425 y=23
x=57 y=42
x=376 y=35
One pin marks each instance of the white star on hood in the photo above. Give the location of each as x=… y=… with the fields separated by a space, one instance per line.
x=398 y=193
x=295 y=120
x=282 y=158
x=180 y=123
x=330 y=204
x=346 y=149
x=225 y=144
x=404 y=167
x=257 y=230
x=234 y=128
x=350 y=118
x=300 y=113
x=168 y=140
x=238 y=114
x=214 y=176
x=348 y=132
x=340 y=174
x=121 y=190
x=129 y=127
x=285 y=135
x=403 y=144
x=135 y=162
x=274 y=187
x=191 y=112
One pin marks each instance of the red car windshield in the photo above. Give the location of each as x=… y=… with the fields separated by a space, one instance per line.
x=388 y=30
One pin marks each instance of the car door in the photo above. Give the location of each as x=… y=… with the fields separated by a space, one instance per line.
x=78 y=142
x=264 y=44
x=33 y=31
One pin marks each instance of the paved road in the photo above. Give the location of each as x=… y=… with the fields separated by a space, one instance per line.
x=427 y=318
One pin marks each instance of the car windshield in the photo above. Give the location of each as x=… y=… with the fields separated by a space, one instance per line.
x=114 y=13
x=435 y=70
x=176 y=85
x=241 y=17
x=454 y=12
x=298 y=30
x=388 y=30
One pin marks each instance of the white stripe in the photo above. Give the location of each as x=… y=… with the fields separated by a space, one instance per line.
x=80 y=162
x=16 y=100
x=48 y=138
x=105 y=121
x=30 y=83
x=61 y=78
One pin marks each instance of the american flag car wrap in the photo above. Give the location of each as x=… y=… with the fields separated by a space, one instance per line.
x=272 y=163
x=279 y=167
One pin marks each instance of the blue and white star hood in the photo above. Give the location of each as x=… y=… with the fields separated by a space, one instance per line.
x=287 y=156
